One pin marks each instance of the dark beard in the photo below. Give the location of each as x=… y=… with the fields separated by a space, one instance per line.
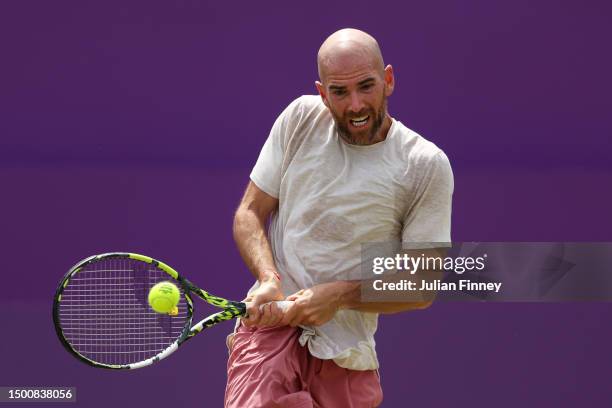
x=379 y=118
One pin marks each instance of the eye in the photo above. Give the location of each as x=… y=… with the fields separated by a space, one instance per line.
x=366 y=87
x=338 y=92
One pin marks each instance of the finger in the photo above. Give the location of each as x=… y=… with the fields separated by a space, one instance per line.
x=289 y=314
x=263 y=315
x=295 y=295
x=277 y=314
x=270 y=314
x=247 y=301
x=246 y=322
x=252 y=316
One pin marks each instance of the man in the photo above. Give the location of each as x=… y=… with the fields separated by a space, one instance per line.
x=336 y=171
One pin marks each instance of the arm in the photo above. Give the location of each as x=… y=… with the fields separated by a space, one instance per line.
x=349 y=297
x=317 y=305
x=250 y=235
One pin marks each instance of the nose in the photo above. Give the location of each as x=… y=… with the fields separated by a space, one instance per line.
x=356 y=102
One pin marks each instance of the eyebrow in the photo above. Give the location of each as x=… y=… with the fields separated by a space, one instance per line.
x=360 y=83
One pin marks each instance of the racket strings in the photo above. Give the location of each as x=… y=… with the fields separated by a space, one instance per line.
x=105 y=316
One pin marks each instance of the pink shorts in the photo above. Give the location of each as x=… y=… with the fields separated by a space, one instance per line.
x=268 y=368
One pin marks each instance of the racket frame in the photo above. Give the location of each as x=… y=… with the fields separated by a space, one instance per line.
x=231 y=309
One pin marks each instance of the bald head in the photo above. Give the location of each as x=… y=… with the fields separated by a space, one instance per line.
x=348 y=47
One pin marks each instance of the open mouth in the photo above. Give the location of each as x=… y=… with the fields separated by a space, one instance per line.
x=360 y=122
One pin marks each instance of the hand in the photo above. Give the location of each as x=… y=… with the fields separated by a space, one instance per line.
x=314 y=306
x=270 y=314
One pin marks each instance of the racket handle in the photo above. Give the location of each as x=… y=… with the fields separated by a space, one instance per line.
x=281 y=304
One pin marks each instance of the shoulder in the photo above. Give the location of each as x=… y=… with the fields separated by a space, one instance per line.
x=302 y=120
x=415 y=149
x=307 y=109
x=304 y=107
x=309 y=102
x=304 y=116
x=420 y=157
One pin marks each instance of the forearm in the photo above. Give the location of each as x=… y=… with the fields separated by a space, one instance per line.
x=352 y=293
x=349 y=296
x=318 y=305
x=253 y=245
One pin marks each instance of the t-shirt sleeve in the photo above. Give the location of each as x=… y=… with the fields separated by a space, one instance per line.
x=267 y=171
x=429 y=219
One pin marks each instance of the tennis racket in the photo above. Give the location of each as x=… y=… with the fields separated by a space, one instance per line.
x=102 y=316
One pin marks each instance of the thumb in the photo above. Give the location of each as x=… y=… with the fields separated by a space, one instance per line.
x=295 y=296
x=252 y=312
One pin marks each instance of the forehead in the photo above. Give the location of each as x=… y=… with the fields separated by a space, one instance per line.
x=345 y=68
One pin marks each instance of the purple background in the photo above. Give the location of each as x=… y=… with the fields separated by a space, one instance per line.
x=133 y=126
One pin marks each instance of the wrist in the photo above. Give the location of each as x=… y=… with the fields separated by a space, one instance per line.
x=269 y=276
x=348 y=294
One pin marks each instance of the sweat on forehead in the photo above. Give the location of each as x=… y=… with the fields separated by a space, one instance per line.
x=348 y=48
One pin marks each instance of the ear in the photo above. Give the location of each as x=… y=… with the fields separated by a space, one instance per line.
x=389 y=80
x=321 y=90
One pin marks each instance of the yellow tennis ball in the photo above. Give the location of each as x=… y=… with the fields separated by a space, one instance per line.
x=164 y=297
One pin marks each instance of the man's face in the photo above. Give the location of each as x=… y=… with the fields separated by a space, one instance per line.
x=356 y=96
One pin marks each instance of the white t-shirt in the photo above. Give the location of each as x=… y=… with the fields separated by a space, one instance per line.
x=333 y=197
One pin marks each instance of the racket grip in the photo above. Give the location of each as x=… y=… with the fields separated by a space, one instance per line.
x=281 y=304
